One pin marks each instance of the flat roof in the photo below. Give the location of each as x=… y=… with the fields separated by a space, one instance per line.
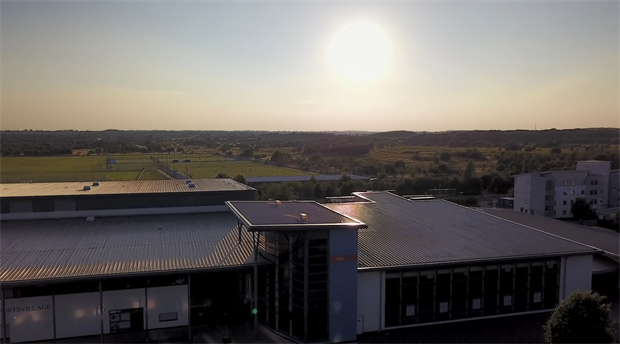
x=52 y=250
x=119 y=187
x=603 y=239
x=408 y=233
x=274 y=215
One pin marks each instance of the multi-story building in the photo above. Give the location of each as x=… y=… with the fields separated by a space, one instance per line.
x=553 y=193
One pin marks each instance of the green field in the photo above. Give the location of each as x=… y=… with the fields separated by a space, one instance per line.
x=152 y=175
x=129 y=167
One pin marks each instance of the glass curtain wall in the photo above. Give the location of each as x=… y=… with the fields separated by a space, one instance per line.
x=297 y=295
x=449 y=293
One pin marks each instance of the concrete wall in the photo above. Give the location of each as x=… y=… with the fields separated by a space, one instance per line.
x=343 y=285
x=167 y=300
x=29 y=319
x=369 y=300
x=576 y=274
x=613 y=193
x=529 y=196
x=77 y=315
x=121 y=299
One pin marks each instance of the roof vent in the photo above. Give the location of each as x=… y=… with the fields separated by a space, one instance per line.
x=191 y=185
x=90 y=219
x=86 y=187
x=95 y=183
x=303 y=217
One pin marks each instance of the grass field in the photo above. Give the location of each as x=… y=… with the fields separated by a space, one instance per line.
x=129 y=167
x=152 y=175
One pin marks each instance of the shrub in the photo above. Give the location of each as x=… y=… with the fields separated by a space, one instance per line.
x=582 y=318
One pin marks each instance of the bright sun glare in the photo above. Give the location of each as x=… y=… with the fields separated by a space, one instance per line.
x=360 y=52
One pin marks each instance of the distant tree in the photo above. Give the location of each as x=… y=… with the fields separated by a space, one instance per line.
x=556 y=150
x=583 y=317
x=616 y=223
x=318 y=191
x=399 y=164
x=247 y=153
x=329 y=191
x=469 y=170
x=445 y=156
x=389 y=169
x=581 y=209
x=222 y=175
x=240 y=178
x=346 y=189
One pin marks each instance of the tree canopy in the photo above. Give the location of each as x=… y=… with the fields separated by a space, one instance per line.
x=583 y=317
x=581 y=209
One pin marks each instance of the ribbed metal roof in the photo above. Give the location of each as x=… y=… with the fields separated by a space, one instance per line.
x=402 y=232
x=606 y=240
x=119 y=187
x=70 y=248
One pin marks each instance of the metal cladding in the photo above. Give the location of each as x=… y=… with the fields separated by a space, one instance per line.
x=75 y=248
x=120 y=187
x=407 y=233
x=602 y=239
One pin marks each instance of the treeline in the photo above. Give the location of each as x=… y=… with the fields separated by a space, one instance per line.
x=466 y=185
x=501 y=138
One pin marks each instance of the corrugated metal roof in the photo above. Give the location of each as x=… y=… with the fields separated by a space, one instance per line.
x=320 y=177
x=603 y=239
x=69 y=248
x=119 y=187
x=403 y=232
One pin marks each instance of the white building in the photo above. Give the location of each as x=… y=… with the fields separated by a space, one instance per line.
x=552 y=193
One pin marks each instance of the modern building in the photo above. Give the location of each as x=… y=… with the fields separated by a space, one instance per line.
x=552 y=193
x=170 y=255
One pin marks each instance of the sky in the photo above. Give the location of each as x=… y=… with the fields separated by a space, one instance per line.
x=198 y=65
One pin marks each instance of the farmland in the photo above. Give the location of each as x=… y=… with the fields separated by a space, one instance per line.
x=129 y=167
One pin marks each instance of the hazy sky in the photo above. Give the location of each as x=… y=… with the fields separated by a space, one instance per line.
x=266 y=65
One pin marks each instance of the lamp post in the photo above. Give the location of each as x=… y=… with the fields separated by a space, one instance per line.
x=75 y=171
x=21 y=163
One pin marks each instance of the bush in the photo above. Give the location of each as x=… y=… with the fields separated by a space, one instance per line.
x=582 y=318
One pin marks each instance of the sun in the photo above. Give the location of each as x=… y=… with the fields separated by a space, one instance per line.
x=360 y=52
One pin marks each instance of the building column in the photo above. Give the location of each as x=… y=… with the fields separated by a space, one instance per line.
x=3 y=317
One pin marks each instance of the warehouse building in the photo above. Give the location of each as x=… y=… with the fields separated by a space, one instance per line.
x=313 y=272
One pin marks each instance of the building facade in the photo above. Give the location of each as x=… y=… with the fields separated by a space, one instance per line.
x=552 y=193
x=313 y=272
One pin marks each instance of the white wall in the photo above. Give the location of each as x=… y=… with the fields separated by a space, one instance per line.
x=369 y=299
x=577 y=274
x=77 y=315
x=167 y=300
x=121 y=299
x=29 y=318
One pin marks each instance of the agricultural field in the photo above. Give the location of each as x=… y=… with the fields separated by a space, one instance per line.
x=129 y=167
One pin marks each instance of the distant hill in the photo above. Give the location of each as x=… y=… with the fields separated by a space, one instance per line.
x=481 y=138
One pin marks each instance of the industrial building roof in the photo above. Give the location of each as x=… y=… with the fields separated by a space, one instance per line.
x=320 y=178
x=119 y=187
x=600 y=238
x=405 y=233
x=75 y=248
x=272 y=215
